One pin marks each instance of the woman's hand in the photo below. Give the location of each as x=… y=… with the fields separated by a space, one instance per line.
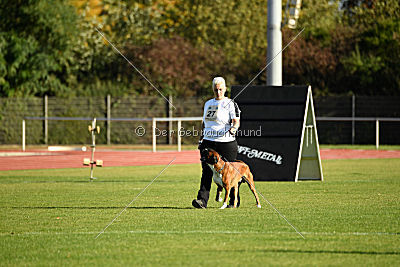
x=233 y=130
x=235 y=127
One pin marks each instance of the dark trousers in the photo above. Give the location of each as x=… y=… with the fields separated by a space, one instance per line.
x=228 y=152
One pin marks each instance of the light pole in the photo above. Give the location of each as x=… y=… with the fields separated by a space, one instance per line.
x=274 y=39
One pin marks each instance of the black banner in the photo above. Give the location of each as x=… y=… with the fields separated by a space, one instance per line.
x=270 y=129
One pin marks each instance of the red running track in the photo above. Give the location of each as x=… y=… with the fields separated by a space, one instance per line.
x=14 y=160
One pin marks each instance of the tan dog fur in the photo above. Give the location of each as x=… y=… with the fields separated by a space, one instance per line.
x=231 y=173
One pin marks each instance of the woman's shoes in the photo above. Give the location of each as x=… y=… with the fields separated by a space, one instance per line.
x=198 y=204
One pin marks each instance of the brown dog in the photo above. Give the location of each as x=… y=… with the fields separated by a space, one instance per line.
x=228 y=174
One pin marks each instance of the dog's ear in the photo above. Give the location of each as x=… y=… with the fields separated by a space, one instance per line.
x=206 y=151
x=203 y=154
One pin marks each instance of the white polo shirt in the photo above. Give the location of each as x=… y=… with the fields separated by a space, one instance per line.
x=217 y=118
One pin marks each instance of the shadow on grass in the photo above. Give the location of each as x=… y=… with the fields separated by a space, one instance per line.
x=351 y=252
x=88 y=181
x=99 y=208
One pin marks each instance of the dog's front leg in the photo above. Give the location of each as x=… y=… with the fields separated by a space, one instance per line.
x=218 y=197
x=227 y=189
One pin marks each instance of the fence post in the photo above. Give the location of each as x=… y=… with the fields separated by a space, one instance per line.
x=170 y=123
x=377 y=133
x=46 y=122
x=108 y=119
x=353 y=122
x=23 y=135
x=154 y=134
x=179 y=135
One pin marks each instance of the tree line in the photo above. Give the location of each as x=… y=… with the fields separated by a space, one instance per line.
x=52 y=47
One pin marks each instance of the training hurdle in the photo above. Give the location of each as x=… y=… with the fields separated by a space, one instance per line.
x=27 y=118
x=179 y=135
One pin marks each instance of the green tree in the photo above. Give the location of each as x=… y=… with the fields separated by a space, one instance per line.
x=220 y=37
x=178 y=67
x=373 y=64
x=238 y=28
x=128 y=25
x=314 y=56
x=319 y=18
x=36 y=40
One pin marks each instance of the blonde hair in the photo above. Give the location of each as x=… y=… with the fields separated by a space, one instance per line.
x=218 y=80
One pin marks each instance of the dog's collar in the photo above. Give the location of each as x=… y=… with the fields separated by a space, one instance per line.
x=220 y=170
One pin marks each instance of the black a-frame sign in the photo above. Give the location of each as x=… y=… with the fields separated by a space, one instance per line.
x=278 y=135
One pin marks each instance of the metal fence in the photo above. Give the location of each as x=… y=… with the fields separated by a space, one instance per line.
x=52 y=131
x=359 y=127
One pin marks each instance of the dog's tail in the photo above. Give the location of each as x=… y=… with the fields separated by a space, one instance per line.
x=252 y=187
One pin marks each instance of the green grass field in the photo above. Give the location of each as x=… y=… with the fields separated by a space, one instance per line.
x=51 y=217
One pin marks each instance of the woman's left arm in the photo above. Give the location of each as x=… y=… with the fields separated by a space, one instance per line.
x=235 y=126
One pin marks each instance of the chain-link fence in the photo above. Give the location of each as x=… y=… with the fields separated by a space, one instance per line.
x=52 y=132
x=357 y=132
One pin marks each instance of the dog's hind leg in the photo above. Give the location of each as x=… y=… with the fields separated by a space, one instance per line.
x=249 y=180
x=236 y=188
x=218 y=197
